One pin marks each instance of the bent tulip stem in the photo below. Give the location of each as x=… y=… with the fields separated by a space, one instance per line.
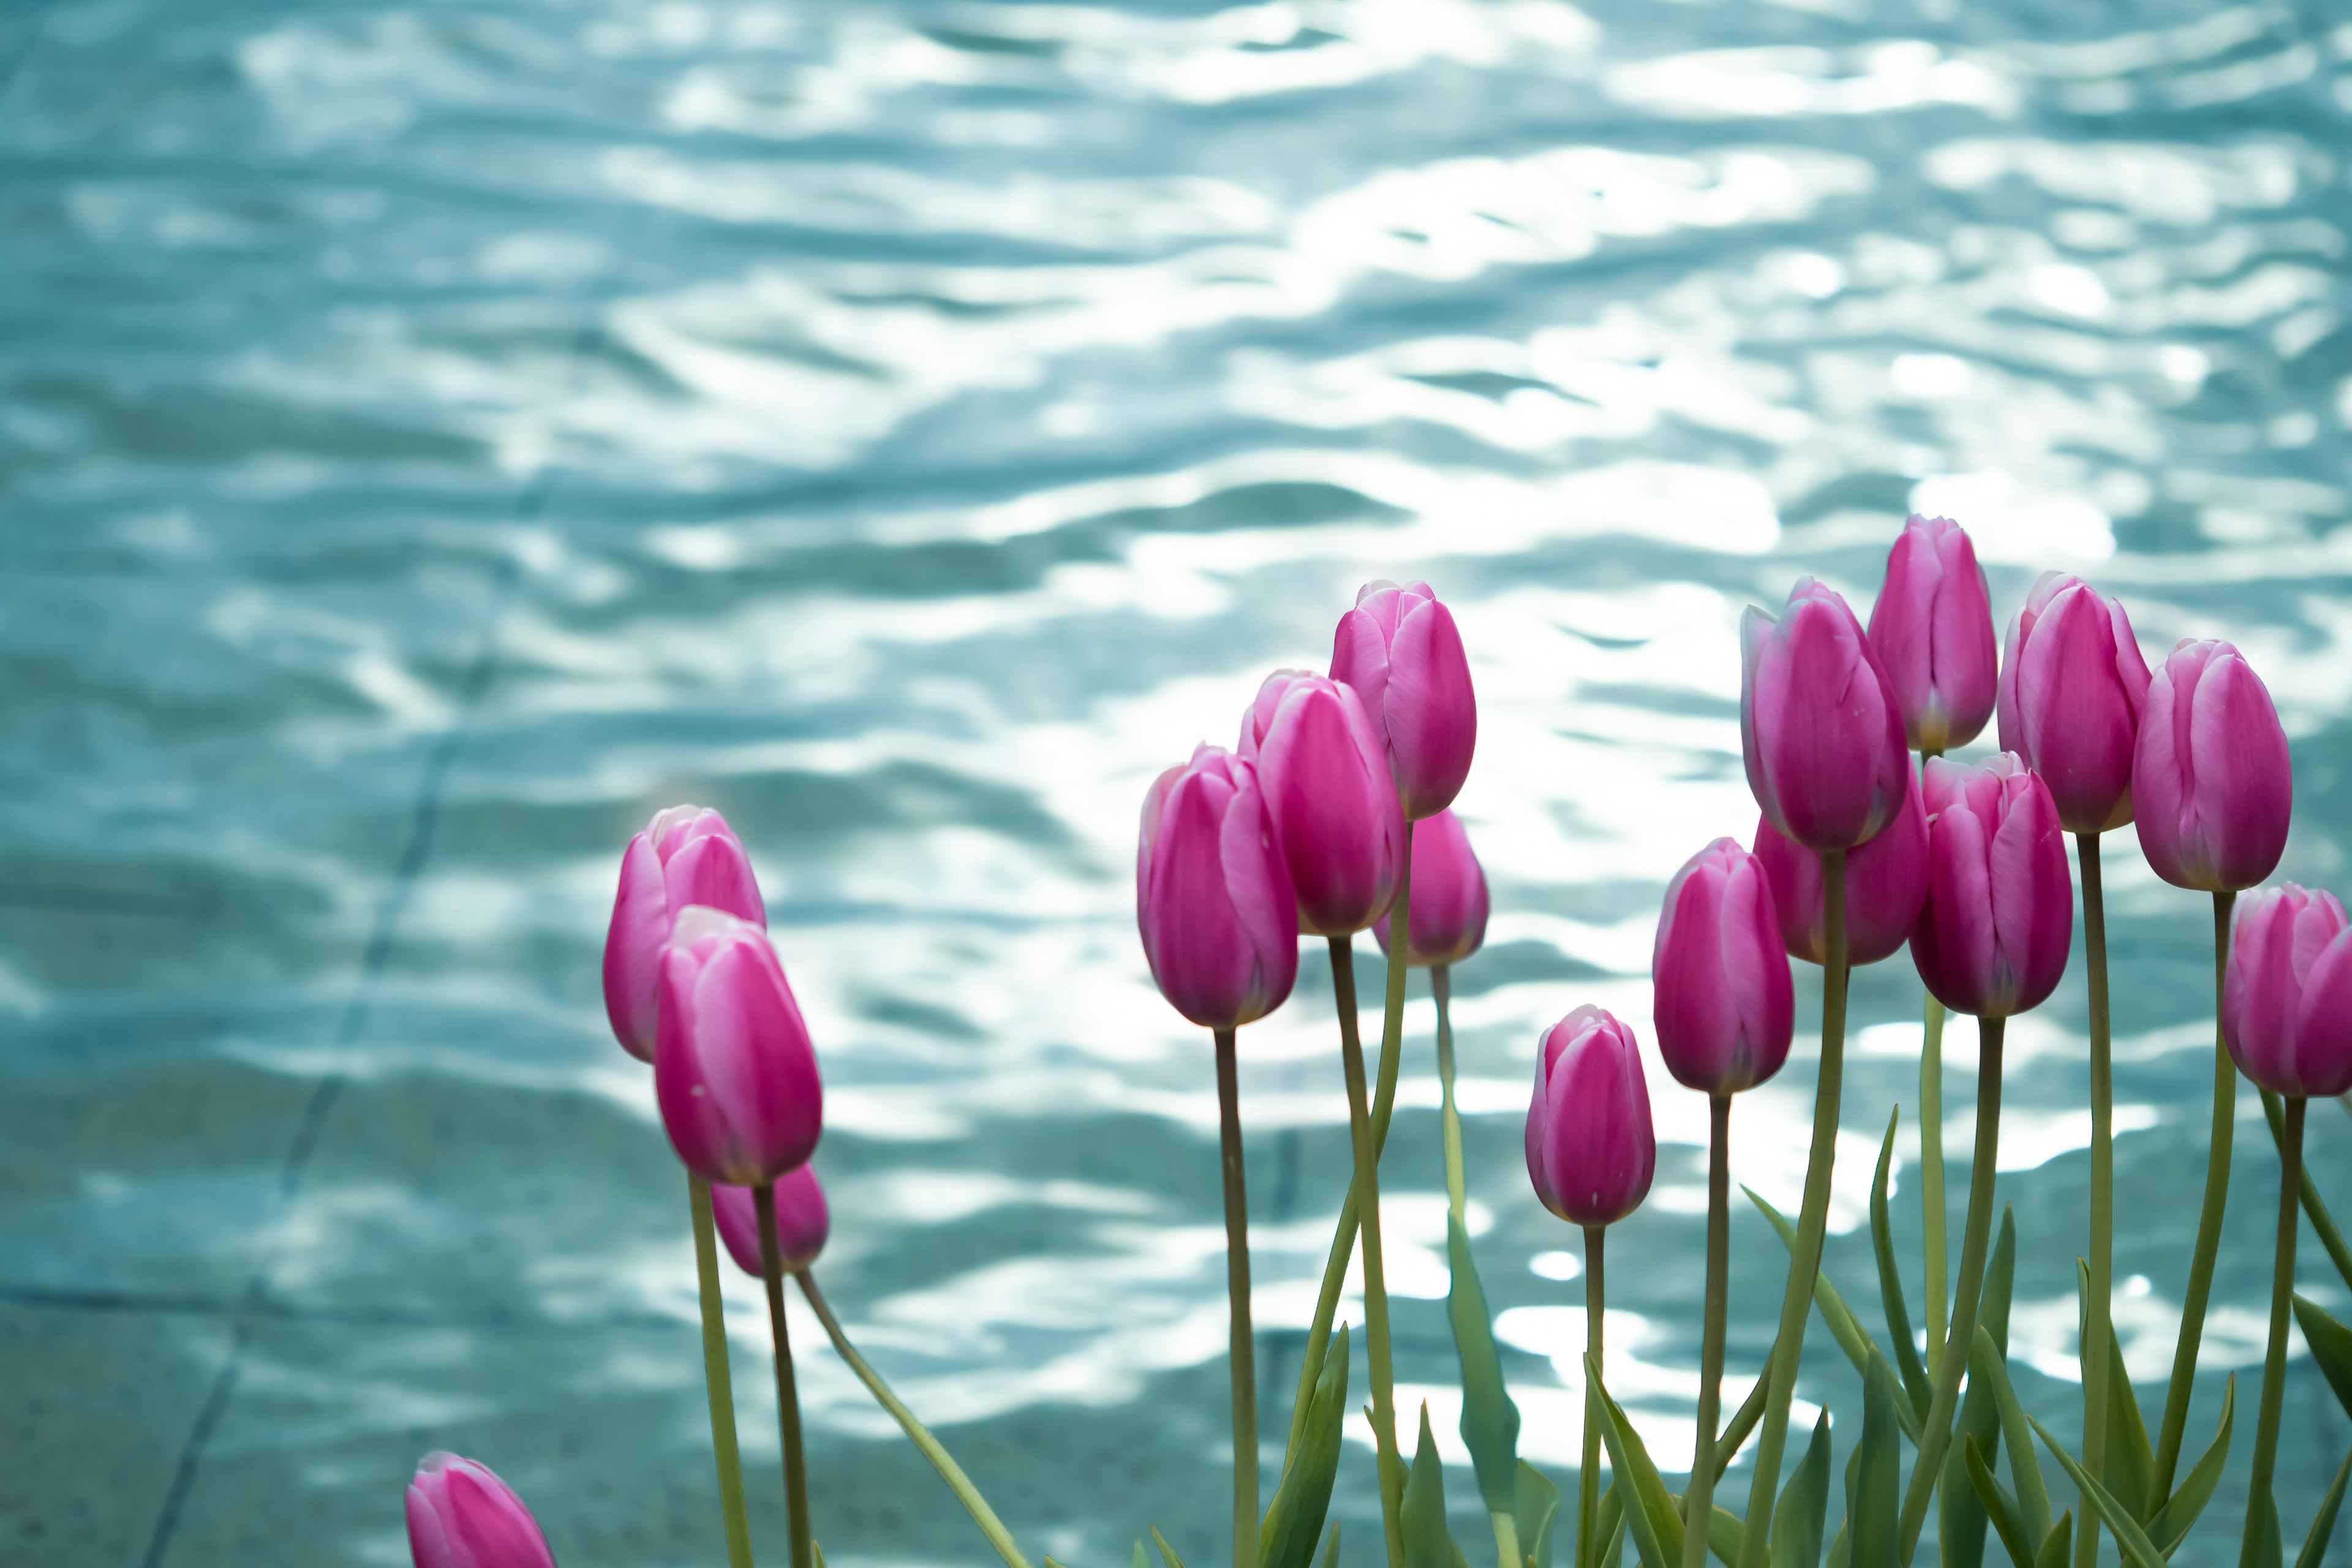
x=1376 y=1299
x=2102 y=1261
x=2258 y=1490
x=1699 y=1501
x=788 y=1405
x=1237 y=1292
x=1588 y=1473
x=2208 y=1224
x=1441 y=984
x=715 y=1380
x=1932 y=1211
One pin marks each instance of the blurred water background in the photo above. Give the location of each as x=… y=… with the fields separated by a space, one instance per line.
x=434 y=436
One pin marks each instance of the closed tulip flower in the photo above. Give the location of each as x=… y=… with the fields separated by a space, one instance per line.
x=2072 y=686
x=802 y=1222
x=2288 y=986
x=1999 y=912
x=1932 y=626
x=1449 y=895
x=735 y=1072
x=687 y=855
x=2210 y=781
x=1400 y=649
x=1819 y=729
x=462 y=1516
x=1885 y=880
x=1591 y=1147
x=1327 y=789
x=1725 y=1006
x=1212 y=896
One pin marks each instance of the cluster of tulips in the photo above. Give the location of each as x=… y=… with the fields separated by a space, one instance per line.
x=1332 y=817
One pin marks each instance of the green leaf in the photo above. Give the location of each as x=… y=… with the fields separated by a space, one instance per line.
x=2331 y=1347
x=1140 y=1561
x=1844 y=1326
x=2000 y=1274
x=1658 y=1532
x=1877 y=1504
x=1534 y=1510
x=1841 y=1549
x=1490 y=1422
x=1609 y=1521
x=2130 y=1463
x=1167 y=1552
x=1724 y=1535
x=2032 y=1497
x=1960 y=1515
x=1999 y=1508
x=1295 y=1522
x=1426 y=1543
x=2058 y=1545
x=1798 y=1519
x=1921 y=1392
x=816 y=1551
x=2130 y=1540
x=2170 y=1526
x=1331 y=1547
x=1614 y=1551
x=2267 y=1550
x=2314 y=1545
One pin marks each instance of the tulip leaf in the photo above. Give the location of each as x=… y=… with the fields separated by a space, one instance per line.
x=2170 y=1526
x=1426 y=1543
x=1650 y=1511
x=2000 y=1279
x=2130 y=1539
x=1841 y=1548
x=1609 y=1522
x=2130 y=1463
x=1167 y=1552
x=1295 y=1522
x=2323 y=1525
x=1844 y=1326
x=1724 y=1535
x=1534 y=1512
x=2058 y=1545
x=2032 y=1497
x=1959 y=1510
x=1876 y=1507
x=1797 y=1521
x=1490 y=1422
x=1915 y=1386
x=2266 y=1550
x=1999 y=1508
x=1138 y=1562
x=1331 y=1547
x=2331 y=1347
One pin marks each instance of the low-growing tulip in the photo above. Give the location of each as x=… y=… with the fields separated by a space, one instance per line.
x=1999 y=911
x=1725 y=1006
x=462 y=1516
x=687 y=855
x=1819 y=729
x=2072 y=686
x=2210 y=781
x=735 y=1072
x=1932 y=626
x=1400 y=650
x=1591 y=1147
x=1326 y=781
x=802 y=1222
x=1885 y=881
x=1213 y=895
x=1449 y=895
x=2286 y=994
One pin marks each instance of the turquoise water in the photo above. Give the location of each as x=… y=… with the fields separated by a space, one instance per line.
x=432 y=438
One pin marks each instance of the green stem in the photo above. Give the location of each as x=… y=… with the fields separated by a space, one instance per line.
x=2097 y=1325
x=1932 y=1202
x=1441 y=982
x=950 y=1471
x=715 y=1380
x=1935 y=1434
x=2321 y=1224
x=1698 y=1501
x=788 y=1403
x=2258 y=1506
x=1238 y=1293
x=1375 y=1296
x=2209 y=1226
x=1588 y=1475
x=1813 y=1223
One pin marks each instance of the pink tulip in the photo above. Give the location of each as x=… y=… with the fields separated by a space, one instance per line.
x=1449 y=895
x=1992 y=935
x=1400 y=649
x=735 y=1072
x=1820 y=731
x=687 y=855
x=1591 y=1149
x=1932 y=626
x=462 y=1516
x=1885 y=881
x=1334 y=805
x=1724 y=1006
x=2072 y=684
x=2210 y=776
x=1212 y=896
x=2286 y=994
x=802 y=1222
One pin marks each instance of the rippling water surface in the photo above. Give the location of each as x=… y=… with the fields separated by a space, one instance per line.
x=432 y=438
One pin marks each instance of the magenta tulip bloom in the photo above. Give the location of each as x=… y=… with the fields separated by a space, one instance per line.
x=462 y=1516
x=2210 y=781
x=1992 y=935
x=2287 y=995
x=802 y=1222
x=1400 y=649
x=1724 y=1005
x=1885 y=880
x=735 y=1072
x=687 y=855
x=1591 y=1149
x=1334 y=805
x=1932 y=626
x=1212 y=896
x=1819 y=729
x=2072 y=686
x=1449 y=895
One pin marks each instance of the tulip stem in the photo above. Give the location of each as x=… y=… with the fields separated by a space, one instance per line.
x=2209 y=1226
x=1441 y=984
x=715 y=1380
x=1933 y=1213
x=2260 y=1510
x=788 y=1403
x=1812 y=1224
x=1936 y=1432
x=1367 y=1183
x=1698 y=1501
x=1588 y=1475
x=950 y=1471
x=2102 y=1261
x=2323 y=1224
x=1238 y=1293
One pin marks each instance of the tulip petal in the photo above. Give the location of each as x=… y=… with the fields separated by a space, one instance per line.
x=632 y=945
x=755 y=1058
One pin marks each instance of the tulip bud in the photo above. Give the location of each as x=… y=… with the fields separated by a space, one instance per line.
x=1334 y=805
x=1213 y=897
x=1725 y=1007
x=687 y=855
x=1591 y=1149
x=462 y=1516
x=2072 y=684
x=734 y=1072
x=2286 y=993
x=1818 y=728
x=802 y=1222
x=1400 y=649
x=2211 y=780
x=1932 y=626
x=1999 y=912
x=1885 y=881
x=1449 y=895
